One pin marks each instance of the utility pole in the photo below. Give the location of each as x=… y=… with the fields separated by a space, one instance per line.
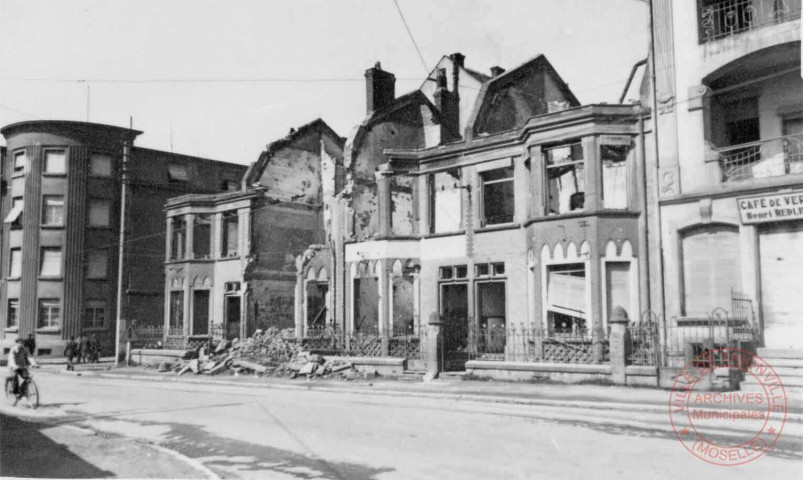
x=121 y=250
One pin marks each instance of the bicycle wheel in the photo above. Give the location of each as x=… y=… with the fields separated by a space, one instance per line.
x=32 y=394
x=9 y=391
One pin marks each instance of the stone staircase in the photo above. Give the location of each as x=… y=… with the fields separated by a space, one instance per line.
x=788 y=364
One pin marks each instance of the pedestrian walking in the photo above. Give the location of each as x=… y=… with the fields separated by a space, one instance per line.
x=94 y=348
x=70 y=351
x=84 y=346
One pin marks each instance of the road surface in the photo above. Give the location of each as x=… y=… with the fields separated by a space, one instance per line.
x=241 y=432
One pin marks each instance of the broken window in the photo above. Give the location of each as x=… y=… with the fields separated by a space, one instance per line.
x=177 y=232
x=177 y=310
x=316 y=303
x=202 y=236
x=445 y=204
x=56 y=162
x=565 y=178
x=403 y=305
x=617 y=279
x=614 y=175
x=566 y=299
x=497 y=196
x=51 y=262
x=96 y=265
x=95 y=314
x=230 y=229
x=52 y=210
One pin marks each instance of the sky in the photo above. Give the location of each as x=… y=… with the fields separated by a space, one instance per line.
x=222 y=79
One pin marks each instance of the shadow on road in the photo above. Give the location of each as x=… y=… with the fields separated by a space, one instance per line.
x=26 y=452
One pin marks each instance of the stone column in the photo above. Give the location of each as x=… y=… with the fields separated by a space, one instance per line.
x=384 y=203
x=620 y=344
x=434 y=347
x=189 y=227
x=385 y=294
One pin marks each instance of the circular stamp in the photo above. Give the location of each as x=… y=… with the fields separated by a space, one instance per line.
x=721 y=427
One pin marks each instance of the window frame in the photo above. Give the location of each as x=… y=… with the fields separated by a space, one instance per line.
x=51 y=304
x=94 y=305
x=178 y=173
x=225 y=247
x=457 y=174
x=588 y=324
x=46 y=210
x=45 y=158
x=625 y=165
x=97 y=254
x=94 y=173
x=42 y=254
x=11 y=262
x=574 y=164
x=13 y=306
x=16 y=223
x=683 y=235
x=20 y=169
x=93 y=202
x=483 y=183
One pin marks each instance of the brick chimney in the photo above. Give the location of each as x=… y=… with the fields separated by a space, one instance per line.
x=380 y=88
x=447 y=104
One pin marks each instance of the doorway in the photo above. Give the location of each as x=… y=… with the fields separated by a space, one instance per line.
x=454 y=311
x=781 y=257
x=200 y=312
x=316 y=304
x=232 y=317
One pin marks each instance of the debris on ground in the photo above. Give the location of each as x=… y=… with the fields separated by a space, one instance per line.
x=270 y=353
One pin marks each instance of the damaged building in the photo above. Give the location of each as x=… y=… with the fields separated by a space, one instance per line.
x=497 y=203
x=230 y=266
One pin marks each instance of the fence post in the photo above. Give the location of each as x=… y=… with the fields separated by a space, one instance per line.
x=434 y=347
x=620 y=344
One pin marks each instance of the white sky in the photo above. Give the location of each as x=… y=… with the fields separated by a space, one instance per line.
x=592 y=43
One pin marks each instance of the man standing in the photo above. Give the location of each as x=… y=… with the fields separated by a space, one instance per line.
x=83 y=354
x=70 y=352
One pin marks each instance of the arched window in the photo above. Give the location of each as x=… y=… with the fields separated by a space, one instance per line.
x=711 y=268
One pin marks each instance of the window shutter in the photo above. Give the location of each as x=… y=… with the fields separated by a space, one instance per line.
x=711 y=268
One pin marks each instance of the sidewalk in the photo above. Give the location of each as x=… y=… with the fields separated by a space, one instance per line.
x=38 y=449
x=548 y=394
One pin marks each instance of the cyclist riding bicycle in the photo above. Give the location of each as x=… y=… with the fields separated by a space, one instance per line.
x=19 y=359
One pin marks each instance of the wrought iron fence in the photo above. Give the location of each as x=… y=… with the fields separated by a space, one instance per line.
x=644 y=347
x=686 y=339
x=522 y=343
x=731 y=17
x=333 y=340
x=147 y=336
x=766 y=158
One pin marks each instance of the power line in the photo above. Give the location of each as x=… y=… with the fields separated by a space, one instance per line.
x=412 y=39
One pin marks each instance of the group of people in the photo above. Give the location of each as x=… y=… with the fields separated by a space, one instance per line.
x=84 y=350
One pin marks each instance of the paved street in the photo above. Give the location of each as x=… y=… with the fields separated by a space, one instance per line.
x=241 y=432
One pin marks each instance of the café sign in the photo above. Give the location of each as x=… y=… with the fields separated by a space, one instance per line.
x=775 y=207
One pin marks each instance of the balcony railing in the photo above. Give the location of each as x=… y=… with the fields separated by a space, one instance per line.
x=762 y=159
x=731 y=17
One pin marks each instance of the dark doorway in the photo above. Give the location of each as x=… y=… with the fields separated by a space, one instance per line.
x=454 y=311
x=491 y=312
x=366 y=305
x=232 y=317
x=200 y=312
x=316 y=303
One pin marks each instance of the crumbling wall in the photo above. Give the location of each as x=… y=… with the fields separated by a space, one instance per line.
x=401 y=209
x=403 y=307
x=273 y=302
x=293 y=174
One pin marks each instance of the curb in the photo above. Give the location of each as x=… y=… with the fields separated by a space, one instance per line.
x=490 y=399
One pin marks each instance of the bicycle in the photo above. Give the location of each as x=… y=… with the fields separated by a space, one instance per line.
x=27 y=388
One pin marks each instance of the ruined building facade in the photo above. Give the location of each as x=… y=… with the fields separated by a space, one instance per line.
x=230 y=263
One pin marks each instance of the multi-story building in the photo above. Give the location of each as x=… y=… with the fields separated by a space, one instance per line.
x=231 y=257
x=728 y=186
x=497 y=203
x=61 y=207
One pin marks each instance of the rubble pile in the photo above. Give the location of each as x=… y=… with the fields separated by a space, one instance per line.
x=272 y=353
